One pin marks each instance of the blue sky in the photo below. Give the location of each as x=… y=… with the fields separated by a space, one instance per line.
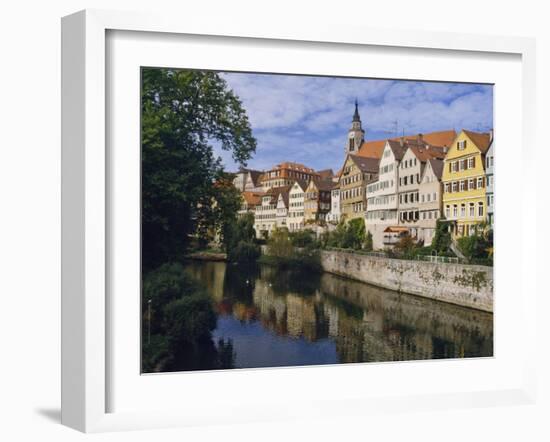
x=306 y=119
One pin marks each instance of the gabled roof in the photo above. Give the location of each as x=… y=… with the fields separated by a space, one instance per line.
x=424 y=151
x=397 y=149
x=274 y=192
x=366 y=164
x=437 y=167
x=374 y=149
x=325 y=173
x=303 y=184
x=255 y=176
x=326 y=184
x=481 y=140
x=284 y=195
x=252 y=198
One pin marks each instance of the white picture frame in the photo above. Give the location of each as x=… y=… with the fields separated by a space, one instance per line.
x=85 y=206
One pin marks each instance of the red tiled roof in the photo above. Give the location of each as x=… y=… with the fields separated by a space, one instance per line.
x=374 y=149
x=481 y=140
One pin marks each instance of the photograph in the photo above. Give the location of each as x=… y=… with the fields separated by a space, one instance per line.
x=303 y=220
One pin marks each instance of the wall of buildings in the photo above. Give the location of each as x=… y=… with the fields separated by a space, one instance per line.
x=466 y=285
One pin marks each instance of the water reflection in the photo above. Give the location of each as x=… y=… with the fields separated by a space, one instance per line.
x=282 y=318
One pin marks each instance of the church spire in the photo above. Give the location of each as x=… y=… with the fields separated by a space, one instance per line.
x=356 y=134
x=356 y=116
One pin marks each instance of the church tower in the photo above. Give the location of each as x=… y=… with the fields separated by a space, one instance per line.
x=356 y=134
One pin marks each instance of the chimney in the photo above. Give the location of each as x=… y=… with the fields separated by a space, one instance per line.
x=419 y=138
x=402 y=141
x=445 y=149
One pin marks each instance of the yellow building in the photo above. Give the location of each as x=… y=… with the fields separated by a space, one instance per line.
x=464 y=182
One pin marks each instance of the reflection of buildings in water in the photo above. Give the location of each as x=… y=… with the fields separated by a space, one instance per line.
x=211 y=276
x=366 y=323
x=331 y=312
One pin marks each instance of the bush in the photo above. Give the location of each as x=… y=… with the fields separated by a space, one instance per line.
x=368 y=242
x=302 y=238
x=176 y=314
x=350 y=235
x=244 y=253
x=279 y=244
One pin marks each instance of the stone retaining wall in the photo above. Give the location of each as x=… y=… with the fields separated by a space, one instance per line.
x=466 y=285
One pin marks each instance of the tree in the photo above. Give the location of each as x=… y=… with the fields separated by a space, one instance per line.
x=368 y=242
x=240 y=240
x=442 y=237
x=183 y=113
x=354 y=236
x=279 y=245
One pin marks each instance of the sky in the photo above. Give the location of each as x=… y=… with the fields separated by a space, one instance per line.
x=306 y=119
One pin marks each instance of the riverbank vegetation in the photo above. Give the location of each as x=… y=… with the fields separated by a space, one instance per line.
x=177 y=319
x=283 y=253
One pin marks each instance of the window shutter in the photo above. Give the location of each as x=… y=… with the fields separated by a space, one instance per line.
x=450 y=167
x=473 y=162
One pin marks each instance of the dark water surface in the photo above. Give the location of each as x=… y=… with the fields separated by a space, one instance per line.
x=281 y=318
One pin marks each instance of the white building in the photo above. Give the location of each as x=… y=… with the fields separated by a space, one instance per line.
x=282 y=208
x=248 y=180
x=265 y=217
x=411 y=170
x=382 y=193
x=296 y=196
x=431 y=200
x=333 y=216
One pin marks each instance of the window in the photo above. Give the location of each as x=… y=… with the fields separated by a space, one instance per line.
x=480 y=209
x=429 y=196
x=422 y=198
x=447 y=211
x=461 y=145
x=472 y=184
x=455 y=210
x=447 y=187
x=455 y=186
x=472 y=210
x=471 y=163
x=463 y=210
x=434 y=196
x=462 y=186
x=480 y=182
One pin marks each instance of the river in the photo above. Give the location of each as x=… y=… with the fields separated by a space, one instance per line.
x=274 y=318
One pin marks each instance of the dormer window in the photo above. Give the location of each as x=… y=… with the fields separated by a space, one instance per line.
x=461 y=145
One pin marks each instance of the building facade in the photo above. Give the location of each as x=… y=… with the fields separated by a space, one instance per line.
x=357 y=171
x=295 y=220
x=489 y=165
x=282 y=208
x=248 y=180
x=285 y=174
x=265 y=215
x=464 y=182
x=333 y=217
x=410 y=171
x=317 y=201
x=431 y=203
x=249 y=201
x=382 y=200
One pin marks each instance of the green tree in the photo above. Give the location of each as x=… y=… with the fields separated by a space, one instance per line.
x=240 y=240
x=279 y=245
x=368 y=242
x=442 y=237
x=302 y=238
x=354 y=235
x=183 y=113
